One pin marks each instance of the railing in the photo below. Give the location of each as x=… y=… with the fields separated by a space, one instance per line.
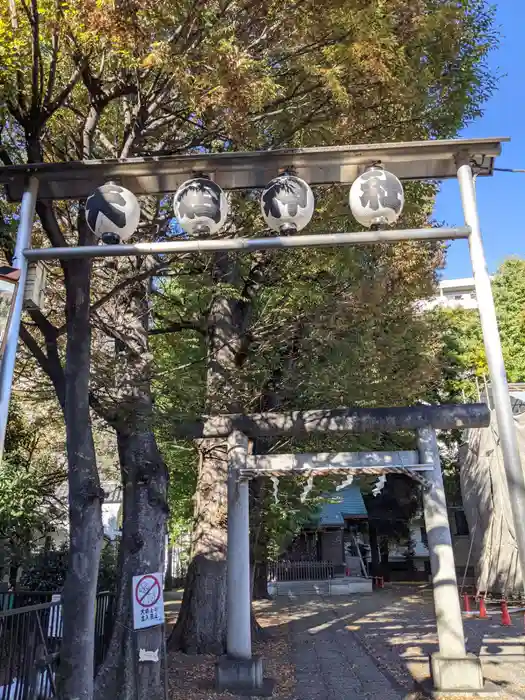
x=29 y=645
x=21 y=599
x=104 y=611
x=300 y=571
x=178 y=560
x=30 y=640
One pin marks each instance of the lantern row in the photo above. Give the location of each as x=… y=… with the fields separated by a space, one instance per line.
x=201 y=207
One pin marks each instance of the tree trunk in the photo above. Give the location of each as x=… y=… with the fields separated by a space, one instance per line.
x=260 y=581
x=144 y=482
x=85 y=496
x=258 y=542
x=201 y=626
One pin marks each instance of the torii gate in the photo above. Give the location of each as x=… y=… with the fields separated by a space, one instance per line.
x=452 y=668
x=434 y=160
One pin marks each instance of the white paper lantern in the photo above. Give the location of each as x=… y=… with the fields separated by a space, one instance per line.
x=376 y=198
x=112 y=213
x=201 y=207
x=287 y=204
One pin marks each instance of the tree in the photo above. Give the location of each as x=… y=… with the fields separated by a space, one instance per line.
x=463 y=350
x=29 y=508
x=325 y=329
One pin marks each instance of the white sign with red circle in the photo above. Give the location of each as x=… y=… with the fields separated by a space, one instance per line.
x=148 y=601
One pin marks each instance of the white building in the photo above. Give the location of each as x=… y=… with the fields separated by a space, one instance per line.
x=455 y=294
x=111 y=512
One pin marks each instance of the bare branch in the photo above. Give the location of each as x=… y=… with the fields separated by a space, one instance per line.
x=89 y=128
x=48 y=330
x=48 y=363
x=53 y=67
x=121 y=286
x=50 y=224
x=64 y=93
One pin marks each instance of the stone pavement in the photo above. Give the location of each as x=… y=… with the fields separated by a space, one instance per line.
x=331 y=664
x=378 y=646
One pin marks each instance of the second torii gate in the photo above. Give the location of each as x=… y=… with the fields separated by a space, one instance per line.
x=452 y=668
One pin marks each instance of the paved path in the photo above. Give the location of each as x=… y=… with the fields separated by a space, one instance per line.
x=378 y=646
x=331 y=663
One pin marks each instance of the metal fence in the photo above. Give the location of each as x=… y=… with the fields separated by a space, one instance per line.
x=30 y=640
x=300 y=571
x=177 y=560
x=21 y=599
x=104 y=611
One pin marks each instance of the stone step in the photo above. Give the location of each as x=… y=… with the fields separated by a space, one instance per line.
x=340 y=586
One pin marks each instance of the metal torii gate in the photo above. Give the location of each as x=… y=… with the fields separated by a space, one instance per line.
x=434 y=160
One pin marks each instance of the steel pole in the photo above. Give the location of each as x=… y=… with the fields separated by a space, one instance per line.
x=7 y=366
x=246 y=245
x=498 y=376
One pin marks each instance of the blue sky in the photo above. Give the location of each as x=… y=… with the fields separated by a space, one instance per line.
x=500 y=198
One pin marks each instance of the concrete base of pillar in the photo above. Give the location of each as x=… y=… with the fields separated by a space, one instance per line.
x=456 y=674
x=242 y=677
x=489 y=691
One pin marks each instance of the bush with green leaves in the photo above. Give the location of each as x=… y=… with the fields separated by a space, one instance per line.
x=46 y=570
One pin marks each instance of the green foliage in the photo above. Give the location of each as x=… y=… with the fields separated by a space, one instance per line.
x=28 y=480
x=45 y=570
x=509 y=296
x=463 y=357
x=181 y=459
x=108 y=569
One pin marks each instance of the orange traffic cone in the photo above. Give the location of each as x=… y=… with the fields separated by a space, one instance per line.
x=482 y=609
x=466 y=603
x=505 y=616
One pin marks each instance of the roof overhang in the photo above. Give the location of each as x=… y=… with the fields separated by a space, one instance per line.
x=419 y=160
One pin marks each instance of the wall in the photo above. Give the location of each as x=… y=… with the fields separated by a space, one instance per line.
x=110 y=517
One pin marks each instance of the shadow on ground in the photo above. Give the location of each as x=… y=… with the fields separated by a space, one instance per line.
x=377 y=646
